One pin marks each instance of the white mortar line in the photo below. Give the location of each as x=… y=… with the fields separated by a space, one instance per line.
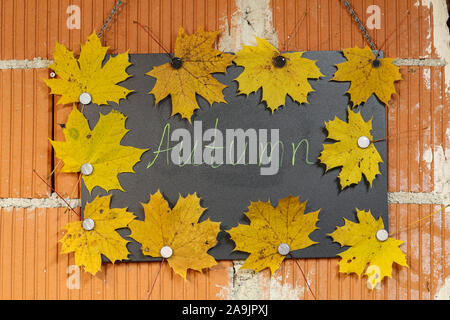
x=401 y=62
x=39 y=63
x=36 y=63
x=54 y=202
x=416 y=198
x=38 y=203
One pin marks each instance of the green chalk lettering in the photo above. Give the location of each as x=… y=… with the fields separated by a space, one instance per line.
x=295 y=148
x=157 y=152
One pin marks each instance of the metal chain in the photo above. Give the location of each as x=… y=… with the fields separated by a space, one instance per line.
x=360 y=24
x=110 y=17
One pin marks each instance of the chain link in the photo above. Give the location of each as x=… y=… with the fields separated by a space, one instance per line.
x=360 y=24
x=110 y=17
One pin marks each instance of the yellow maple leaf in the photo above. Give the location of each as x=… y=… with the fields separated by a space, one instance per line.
x=178 y=229
x=368 y=75
x=189 y=73
x=347 y=153
x=87 y=75
x=98 y=149
x=277 y=74
x=286 y=225
x=365 y=248
x=99 y=237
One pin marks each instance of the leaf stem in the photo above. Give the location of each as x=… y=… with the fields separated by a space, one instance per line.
x=51 y=188
x=150 y=33
x=304 y=276
x=154 y=282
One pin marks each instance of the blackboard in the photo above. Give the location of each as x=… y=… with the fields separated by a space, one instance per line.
x=226 y=191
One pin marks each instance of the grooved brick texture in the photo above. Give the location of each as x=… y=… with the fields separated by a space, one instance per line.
x=30 y=265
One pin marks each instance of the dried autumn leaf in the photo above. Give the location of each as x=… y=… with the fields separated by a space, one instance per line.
x=277 y=74
x=368 y=75
x=365 y=248
x=177 y=228
x=87 y=75
x=103 y=239
x=346 y=153
x=99 y=147
x=269 y=228
x=189 y=73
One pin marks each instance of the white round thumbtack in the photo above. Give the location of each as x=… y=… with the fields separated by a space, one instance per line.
x=382 y=235
x=85 y=98
x=284 y=249
x=363 y=142
x=88 y=224
x=87 y=169
x=166 y=252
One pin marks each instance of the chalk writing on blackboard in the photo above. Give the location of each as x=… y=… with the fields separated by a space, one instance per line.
x=216 y=148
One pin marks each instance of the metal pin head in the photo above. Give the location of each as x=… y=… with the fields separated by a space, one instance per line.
x=376 y=63
x=279 y=61
x=176 y=63
x=87 y=169
x=166 y=252
x=363 y=142
x=284 y=249
x=88 y=224
x=382 y=235
x=85 y=98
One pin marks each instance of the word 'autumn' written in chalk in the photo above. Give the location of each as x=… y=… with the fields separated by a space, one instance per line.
x=212 y=147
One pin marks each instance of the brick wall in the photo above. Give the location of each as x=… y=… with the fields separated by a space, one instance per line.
x=418 y=120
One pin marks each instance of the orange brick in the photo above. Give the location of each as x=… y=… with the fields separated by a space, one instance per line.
x=31 y=266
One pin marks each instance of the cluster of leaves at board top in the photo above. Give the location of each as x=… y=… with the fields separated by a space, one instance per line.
x=179 y=229
x=368 y=75
x=277 y=74
x=270 y=227
x=190 y=73
x=102 y=239
x=87 y=74
x=366 y=249
x=346 y=153
x=100 y=148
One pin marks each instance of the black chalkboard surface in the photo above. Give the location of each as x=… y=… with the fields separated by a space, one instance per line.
x=226 y=191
